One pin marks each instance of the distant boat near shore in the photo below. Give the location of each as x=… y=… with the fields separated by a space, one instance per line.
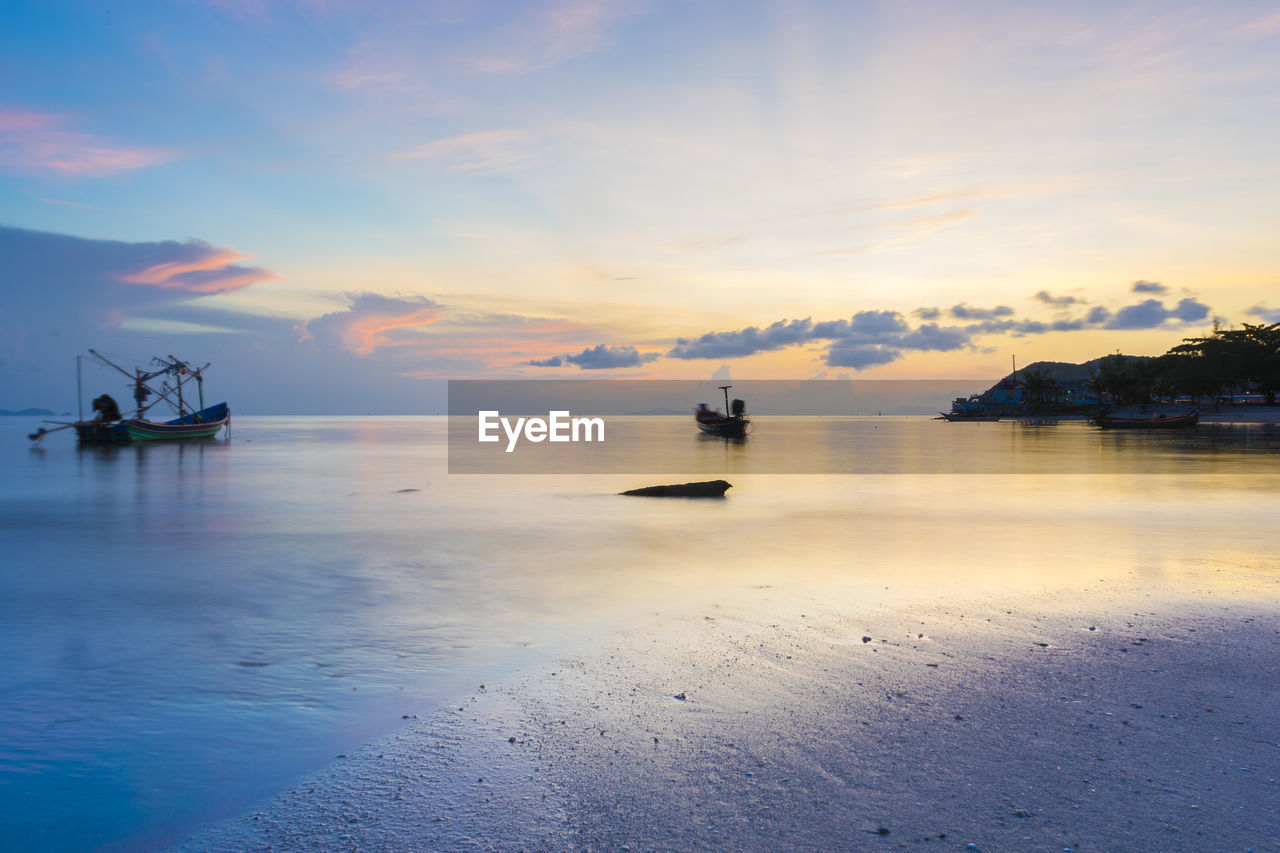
x=1187 y=419
x=963 y=416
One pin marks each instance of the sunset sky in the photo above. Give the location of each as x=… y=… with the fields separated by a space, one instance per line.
x=337 y=203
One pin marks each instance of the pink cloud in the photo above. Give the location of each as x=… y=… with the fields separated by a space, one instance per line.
x=15 y=122
x=367 y=333
x=212 y=271
x=551 y=35
x=503 y=341
x=363 y=327
x=1267 y=25
x=396 y=328
x=37 y=142
x=484 y=152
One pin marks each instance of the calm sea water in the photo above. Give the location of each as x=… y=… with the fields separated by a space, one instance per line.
x=186 y=628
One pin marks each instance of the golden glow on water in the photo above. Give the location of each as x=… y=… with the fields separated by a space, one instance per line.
x=1161 y=514
x=930 y=513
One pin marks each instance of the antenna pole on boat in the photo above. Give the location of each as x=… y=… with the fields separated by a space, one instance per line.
x=79 y=393
x=139 y=381
x=725 y=389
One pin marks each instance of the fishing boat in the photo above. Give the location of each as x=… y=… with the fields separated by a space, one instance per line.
x=969 y=409
x=965 y=416
x=164 y=380
x=733 y=425
x=1155 y=422
x=202 y=424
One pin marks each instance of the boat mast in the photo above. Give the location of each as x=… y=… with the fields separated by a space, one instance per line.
x=79 y=393
x=725 y=389
x=140 y=389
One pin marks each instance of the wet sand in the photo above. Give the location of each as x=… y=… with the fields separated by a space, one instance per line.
x=1110 y=719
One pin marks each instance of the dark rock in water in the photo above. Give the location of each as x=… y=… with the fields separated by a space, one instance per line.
x=705 y=489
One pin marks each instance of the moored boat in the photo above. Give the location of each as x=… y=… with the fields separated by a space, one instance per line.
x=1155 y=422
x=971 y=408
x=733 y=425
x=110 y=427
x=965 y=416
x=202 y=424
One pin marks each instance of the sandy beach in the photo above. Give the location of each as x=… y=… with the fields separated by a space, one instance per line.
x=1111 y=719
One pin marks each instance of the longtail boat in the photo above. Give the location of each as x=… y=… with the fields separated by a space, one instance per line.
x=202 y=424
x=1157 y=422
x=711 y=422
x=110 y=427
x=964 y=416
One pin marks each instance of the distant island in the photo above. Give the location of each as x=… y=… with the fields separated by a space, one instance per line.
x=1230 y=366
x=29 y=412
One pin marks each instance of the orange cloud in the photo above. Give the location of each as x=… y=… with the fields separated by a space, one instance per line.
x=162 y=275
x=365 y=334
x=501 y=341
x=364 y=325
x=213 y=271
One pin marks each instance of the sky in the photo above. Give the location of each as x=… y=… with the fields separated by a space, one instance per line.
x=340 y=204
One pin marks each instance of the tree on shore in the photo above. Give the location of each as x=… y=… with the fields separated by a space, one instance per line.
x=1125 y=379
x=1226 y=361
x=1036 y=382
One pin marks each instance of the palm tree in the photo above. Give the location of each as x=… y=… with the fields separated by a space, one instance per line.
x=1036 y=382
x=1112 y=377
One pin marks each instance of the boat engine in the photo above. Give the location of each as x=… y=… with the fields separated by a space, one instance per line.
x=738 y=408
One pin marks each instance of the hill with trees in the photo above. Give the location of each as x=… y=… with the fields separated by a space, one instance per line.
x=1224 y=364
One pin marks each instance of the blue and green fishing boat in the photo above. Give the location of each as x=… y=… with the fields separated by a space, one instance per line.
x=162 y=382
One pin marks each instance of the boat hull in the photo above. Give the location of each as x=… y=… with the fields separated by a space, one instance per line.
x=93 y=432
x=724 y=427
x=952 y=416
x=202 y=424
x=1175 y=422
x=145 y=431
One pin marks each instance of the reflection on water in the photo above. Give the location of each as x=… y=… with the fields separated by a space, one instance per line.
x=189 y=626
x=867 y=445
